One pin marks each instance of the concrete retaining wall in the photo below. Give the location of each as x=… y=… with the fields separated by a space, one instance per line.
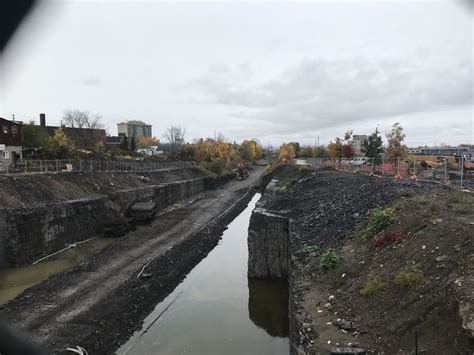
x=28 y=234
x=268 y=245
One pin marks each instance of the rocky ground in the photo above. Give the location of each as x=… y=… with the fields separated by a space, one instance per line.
x=99 y=304
x=431 y=238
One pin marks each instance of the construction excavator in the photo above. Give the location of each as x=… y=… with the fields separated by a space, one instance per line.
x=241 y=172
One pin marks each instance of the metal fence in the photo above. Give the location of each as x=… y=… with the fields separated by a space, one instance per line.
x=444 y=171
x=71 y=165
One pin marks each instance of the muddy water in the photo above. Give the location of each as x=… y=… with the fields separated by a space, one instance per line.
x=216 y=309
x=15 y=280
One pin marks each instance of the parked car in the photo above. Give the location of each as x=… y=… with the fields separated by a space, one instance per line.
x=360 y=161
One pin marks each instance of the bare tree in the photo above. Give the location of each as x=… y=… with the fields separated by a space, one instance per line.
x=87 y=136
x=82 y=119
x=175 y=134
x=220 y=137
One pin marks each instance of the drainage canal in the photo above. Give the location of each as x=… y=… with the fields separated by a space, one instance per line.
x=217 y=309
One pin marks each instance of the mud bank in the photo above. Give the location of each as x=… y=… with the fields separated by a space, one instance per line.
x=29 y=233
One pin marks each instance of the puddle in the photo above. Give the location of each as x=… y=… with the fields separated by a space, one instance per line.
x=217 y=309
x=15 y=280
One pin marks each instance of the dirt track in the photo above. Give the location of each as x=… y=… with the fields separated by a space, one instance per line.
x=99 y=304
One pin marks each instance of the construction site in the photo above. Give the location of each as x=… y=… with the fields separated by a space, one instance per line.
x=285 y=260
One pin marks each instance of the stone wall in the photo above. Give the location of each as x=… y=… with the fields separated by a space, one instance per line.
x=30 y=233
x=267 y=245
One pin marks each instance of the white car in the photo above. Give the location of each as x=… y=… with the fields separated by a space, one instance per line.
x=360 y=161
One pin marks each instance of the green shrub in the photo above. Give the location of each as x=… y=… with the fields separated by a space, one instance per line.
x=379 y=220
x=374 y=286
x=329 y=260
x=411 y=277
x=215 y=167
x=289 y=182
x=310 y=248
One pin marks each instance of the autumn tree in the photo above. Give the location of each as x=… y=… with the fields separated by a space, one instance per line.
x=60 y=145
x=372 y=147
x=145 y=142
x=395 y=148
x=334 y=149
x=306 y=152
x=348 y=151
x=296 y=147
x=249 y=150
x=204 y=150
x=286 y=152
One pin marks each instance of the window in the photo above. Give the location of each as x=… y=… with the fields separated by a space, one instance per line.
x=5 y=154
x=5 y=129
x=14 y=129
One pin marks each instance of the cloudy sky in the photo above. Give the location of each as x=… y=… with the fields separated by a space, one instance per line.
x=276 y=71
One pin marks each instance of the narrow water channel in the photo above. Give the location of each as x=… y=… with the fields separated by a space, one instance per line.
x=217 y=309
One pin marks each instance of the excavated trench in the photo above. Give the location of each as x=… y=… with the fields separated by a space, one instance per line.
x=217 y=309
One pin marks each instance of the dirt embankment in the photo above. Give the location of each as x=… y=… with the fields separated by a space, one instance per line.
x=30 y=190
x=102 y=302
x=422 y=264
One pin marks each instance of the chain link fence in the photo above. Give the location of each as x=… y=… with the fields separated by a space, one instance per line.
x=445 y=170
x=74 y=165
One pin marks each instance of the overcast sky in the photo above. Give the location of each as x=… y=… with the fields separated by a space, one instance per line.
x=275 y=71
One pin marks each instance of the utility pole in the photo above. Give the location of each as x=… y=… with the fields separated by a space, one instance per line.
x=13 y=117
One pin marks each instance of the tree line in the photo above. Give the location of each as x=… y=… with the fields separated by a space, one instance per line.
x=343 y=148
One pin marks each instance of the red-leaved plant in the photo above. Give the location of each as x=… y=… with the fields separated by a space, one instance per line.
x=386 y=238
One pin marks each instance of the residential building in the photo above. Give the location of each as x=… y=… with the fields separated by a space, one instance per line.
x=358 y=142
x=11 y=141
x=135 y=129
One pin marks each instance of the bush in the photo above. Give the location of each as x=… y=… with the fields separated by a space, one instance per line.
x=411 y=277
x=215 y=167
x=374 y=286
x=379 y=220
x=329 y=260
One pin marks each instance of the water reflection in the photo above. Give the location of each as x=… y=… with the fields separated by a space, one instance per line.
x=268 y=305
x=210 y=314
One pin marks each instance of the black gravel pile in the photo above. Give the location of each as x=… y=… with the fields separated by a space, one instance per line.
x=325 y=206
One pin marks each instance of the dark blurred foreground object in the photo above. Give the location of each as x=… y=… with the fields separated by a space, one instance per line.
x=13 y=12
x=13 y=342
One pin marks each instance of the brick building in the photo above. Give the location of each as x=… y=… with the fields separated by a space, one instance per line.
x=11 y=141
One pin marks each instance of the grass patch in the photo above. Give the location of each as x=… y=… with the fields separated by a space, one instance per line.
x=374 y=286
x=410 y=277
x=329 y=260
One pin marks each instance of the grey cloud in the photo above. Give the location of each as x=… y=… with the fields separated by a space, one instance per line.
x=323 y=93
x=92 y=82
